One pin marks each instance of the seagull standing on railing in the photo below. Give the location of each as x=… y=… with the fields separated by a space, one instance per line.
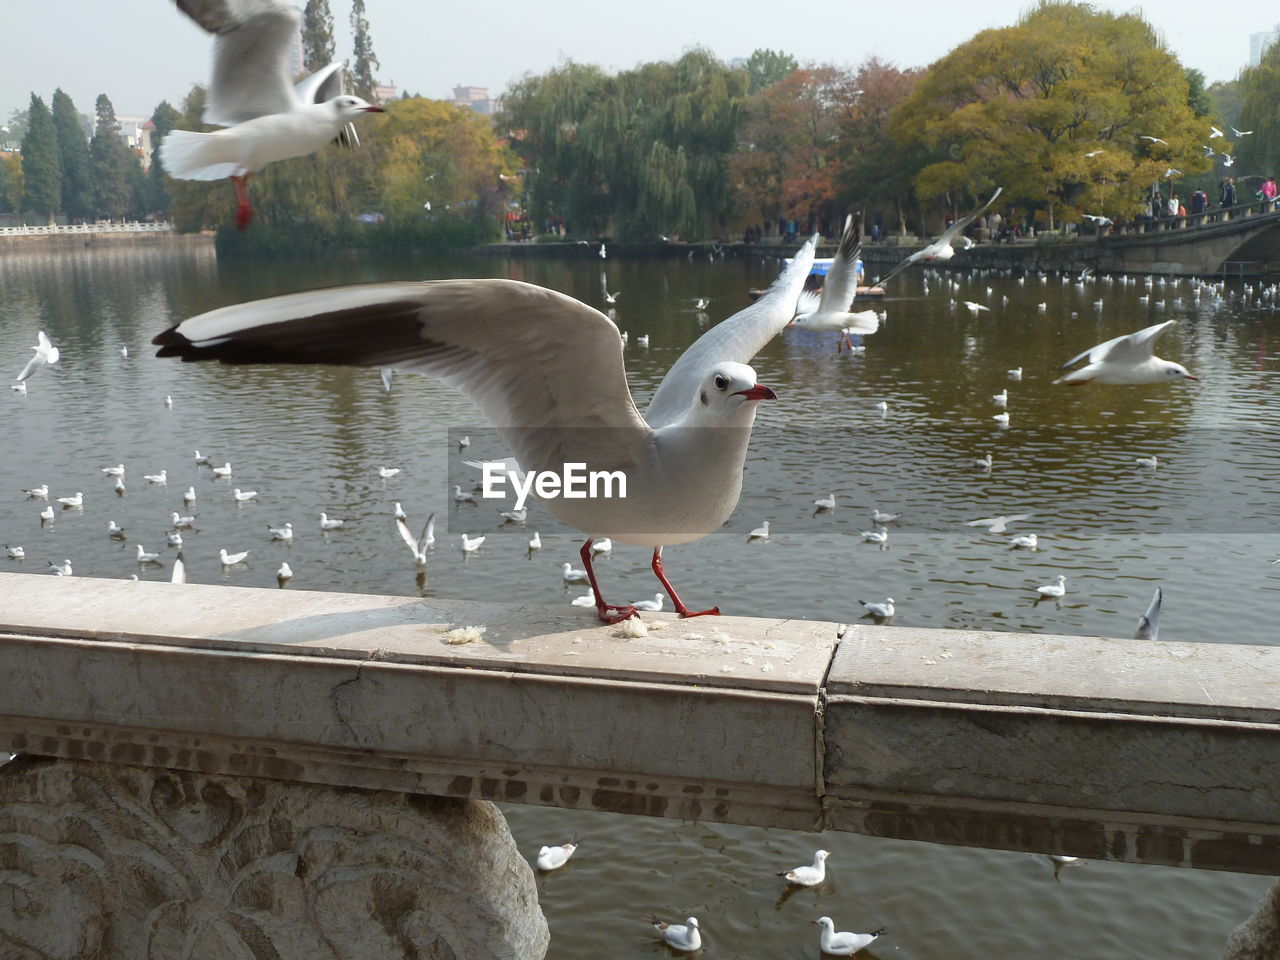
x=252 y=94
x=548 y=370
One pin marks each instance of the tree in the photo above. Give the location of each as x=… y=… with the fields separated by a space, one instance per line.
x=111 y=164
x=767 y=67
x=11 y=183
x=1019 y=107
x=364 y=60
x=1259 y=87
x=317 y=35
x=155 y=196
x=73 y=157
x=42 y=191
x=1197 y=96
x=1227 y=100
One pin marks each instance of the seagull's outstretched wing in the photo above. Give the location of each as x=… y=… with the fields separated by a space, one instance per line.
x=1130 y=348
x=842 y=278
x=325 y=84
x=734 y=340
x=543 y=367
x=1149 y=622
x=250 y=57
x=949 y=235
x=35 y=363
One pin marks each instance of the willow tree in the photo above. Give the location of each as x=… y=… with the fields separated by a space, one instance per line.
x=1259 y=90
x=1020 y=107
x=645 y=151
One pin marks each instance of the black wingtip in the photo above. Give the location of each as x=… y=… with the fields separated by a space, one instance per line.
x=174 y=344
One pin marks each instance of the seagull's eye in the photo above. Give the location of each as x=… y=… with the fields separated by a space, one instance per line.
x=722 y=383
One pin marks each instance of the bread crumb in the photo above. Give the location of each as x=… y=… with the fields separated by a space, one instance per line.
x=464 y=635
x=634 y=628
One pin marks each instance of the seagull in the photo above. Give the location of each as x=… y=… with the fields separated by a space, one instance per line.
x=553 y=858
x=168 y=401
x=179 y=574
x=1208 y=150
x=588 y=599
x=1029 y=542
x=252 y=94
x=173 y=539
x=116 y=471
x=1001 y=418
x=1097 y=220
x=601 y=546
x=46 y=354
x=825 y=503
x=515 y=516
x=1000 y=399
x=399 y=512
x=1015 y=373
x=178 y=521
x=759 y=533
x=941 y=249
x=843 y=944
x=119 y=486
x=38 y=493
x=18 y=388
x=420 y=544
x=144 y=557
x=997 y=524
x=679 y=936
x=281 y=533
x=328 y=524
x=874 y=608
x=701 y=303
x=73 y=501
x=1151 y=461
x=201 y=458
x=642 y=340
x=830 y=309
x=464 y=442
x=114 y=530
x=46 y=514
x=1157 y=139
x=684 y=479
x=1227 y=159
x=15 y=553
x=470 y=545
x=1214 y=132
x=231 y=559
x=62 y=569
x=603 y=253
x=1127 y=360
x=1241 y=133
x=124 y=352
x=535 y=542
x=808 y=876
x=604 y=288
x=190 y=496
x=242 y=497
x=1093 y=153
x=976 y=308
x=223 y=471
x=570 y=574
x=882 y=407
x=284 y=573
x=876 y=536
x=461 y=496
x=983 y=462
x=1058 y=589
x=161 y=478
x=1172 y=172
x=386 y=473
x=1149 y=622
x=878 y=517
x=651 y=606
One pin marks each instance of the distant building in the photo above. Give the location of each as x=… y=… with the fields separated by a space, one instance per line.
x=136 y=133
x=475 y=98
x=385 y=92
x=1259 y=42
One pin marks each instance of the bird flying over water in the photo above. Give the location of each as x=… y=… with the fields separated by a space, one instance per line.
x=45 y=354
x=252 y=95
x=1127 y=360
x=942 y=249
x=830 y=309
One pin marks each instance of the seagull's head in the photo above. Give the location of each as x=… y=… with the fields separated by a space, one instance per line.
x=825 y=922
x=350 y=107
x=822 y=854
x=1176 y=371
x=692 y=921
x=727 y=390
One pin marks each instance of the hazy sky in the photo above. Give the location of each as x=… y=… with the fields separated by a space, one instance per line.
x=142 y=51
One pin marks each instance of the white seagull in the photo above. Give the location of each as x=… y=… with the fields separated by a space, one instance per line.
x=759 y=533
x=601 y=546
x=281 y=533
x=684 y=937
x=843 y=944
x=1029 y=542
x=997 y=524
x=173 y=539
x=243 y=496
x=161 y=478
x=1157 y=139
x=604 y=289
x=223 y=471
x=145 y=557
x=881 y=611
x=877 y=516
x=570 y=574
x=420 y=544
x=45 y=354
x=116 y=471
x=1058 y=589
x=15 y=553
x=1214 y=132
x=1241 y=133
x=1151 y=461
x=178 y=521
x=1001 y=399
x=651 y=606
x=876 y=536
x=386 y=473
x=73 y=501
x=46 y=514
x=326 y=523
x=471 y=544
x=830 y=309
x=1015 y=373
x=983 y=462
x=535 y=542
x=62 y=569
x=284 y=573
x=190 y=496
x=252 y=94
x=553 y=858
x=825 y=503
x=1149 y=622
x=1127 y=360
x=542 y=367
x=114 y=530
x=808 y=876
x=201 y=458
x=231 y=559
x=941 y=249
x=38 y=493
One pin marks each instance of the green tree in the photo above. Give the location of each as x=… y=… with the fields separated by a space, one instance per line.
x=73 y=157
x=155 y=195
x=1197 y=96
x=364 y=61
x=1226 y=98
x=42 y=191
x=317 y=35
x=766 y=67
x=1259 y=89
x=111 y=164
x=1020 y=107
x=11 y=183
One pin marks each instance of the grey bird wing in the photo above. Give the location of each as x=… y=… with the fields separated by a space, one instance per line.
x=325 y=84
x=735 y=340
x=1129 y=348
x=1149 y=622
x=251 y=76
x=543 y=367
x=949 y=235
x=841 y=285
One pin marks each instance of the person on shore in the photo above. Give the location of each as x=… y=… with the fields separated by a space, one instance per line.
x=1227 y=196
x=1269 y=191
x=1199 y=204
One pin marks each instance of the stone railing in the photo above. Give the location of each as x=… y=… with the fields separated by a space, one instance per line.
x=71 y=229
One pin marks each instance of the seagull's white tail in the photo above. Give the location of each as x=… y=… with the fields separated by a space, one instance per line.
x=186 y=155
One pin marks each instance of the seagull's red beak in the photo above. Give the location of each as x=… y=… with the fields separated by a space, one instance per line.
x=757 y=393
x=1192 y=376
x=374 y=110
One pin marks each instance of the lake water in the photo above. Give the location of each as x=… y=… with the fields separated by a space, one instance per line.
x=1202 y=525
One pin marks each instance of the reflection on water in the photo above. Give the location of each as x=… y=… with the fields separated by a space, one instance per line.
x=1202 y=525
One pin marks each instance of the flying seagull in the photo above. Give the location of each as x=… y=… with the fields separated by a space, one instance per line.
x=1129 y=359
x=548 y=371
x=1214 y=132
x=45 y=354
x=1241 y=133
x=941 y=248
x=252 y=94
x=1149 y=622
x=1156 y=139
x=830 y=309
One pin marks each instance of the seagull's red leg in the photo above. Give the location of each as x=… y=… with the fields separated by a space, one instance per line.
x=244 y=212
x=606 y=611
x=675 y=600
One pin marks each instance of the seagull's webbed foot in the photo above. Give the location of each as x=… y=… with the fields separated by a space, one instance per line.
x=244 y=211
x=608 y=613
x=676 y=602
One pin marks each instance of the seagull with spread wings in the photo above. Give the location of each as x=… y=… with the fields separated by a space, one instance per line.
x=252 y=95
x=1127 y=360
x=829 y=310
x=941 y=249
x=547 y=370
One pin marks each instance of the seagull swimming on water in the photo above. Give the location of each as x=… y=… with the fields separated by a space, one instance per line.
x=553 y=858
x=684 y=937
x=1127 y=360
x=252 y=95
x=808 y=876
x=548 y=371
x=841 y=944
